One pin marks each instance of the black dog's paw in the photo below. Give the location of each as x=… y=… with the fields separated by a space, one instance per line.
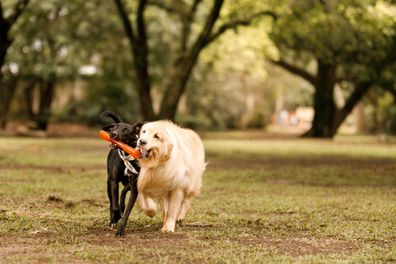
x=120 y=231
x=115 y=216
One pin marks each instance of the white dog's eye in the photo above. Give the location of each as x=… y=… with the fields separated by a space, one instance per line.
x=144 y=131
x=156 y=136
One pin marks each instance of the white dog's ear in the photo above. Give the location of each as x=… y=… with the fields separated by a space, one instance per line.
x=170 y=148
x=167 y=155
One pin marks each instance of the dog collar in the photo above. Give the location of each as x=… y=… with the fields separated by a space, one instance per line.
x=127 y=161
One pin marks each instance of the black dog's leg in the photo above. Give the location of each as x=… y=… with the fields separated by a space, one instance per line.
x=122 y=198
x=131 y=203
x=115 y=210
x=112 y=220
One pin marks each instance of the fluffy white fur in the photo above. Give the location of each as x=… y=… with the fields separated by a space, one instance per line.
x=172 y=164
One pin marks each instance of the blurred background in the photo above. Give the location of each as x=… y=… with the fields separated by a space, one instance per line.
x=314 y=68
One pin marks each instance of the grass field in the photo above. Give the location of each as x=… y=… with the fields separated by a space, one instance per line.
x=263 y=201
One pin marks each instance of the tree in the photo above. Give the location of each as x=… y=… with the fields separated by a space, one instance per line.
x=42 y=56
x=348 y=43
x=7 y=22
x=52 y=50
x=190 y=44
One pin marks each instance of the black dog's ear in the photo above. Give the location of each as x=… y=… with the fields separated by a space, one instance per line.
x=112 y=115
x=108 y=127
x=137 y=127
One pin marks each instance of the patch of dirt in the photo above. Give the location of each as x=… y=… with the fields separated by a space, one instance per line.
x=54 y=199
x=60 y=203
x=33 y=248
x=296 y=247
x=132 y=237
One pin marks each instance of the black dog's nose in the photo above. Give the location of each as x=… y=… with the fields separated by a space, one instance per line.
x=113 y=134
x=142 y=142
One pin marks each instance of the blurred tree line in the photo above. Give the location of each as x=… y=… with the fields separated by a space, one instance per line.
x=206 y=63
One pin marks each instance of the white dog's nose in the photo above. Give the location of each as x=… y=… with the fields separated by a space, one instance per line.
x=142 y=142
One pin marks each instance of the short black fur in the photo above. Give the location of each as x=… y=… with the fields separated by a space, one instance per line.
x=128 y=134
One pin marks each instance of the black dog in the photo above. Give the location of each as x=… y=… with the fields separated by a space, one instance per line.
x=117 y=171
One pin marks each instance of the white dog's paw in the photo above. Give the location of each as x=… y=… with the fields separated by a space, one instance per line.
x=180 y=217
x=166 y=228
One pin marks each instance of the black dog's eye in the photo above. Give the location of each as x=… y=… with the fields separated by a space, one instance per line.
x=126 y=130
x=156 y=136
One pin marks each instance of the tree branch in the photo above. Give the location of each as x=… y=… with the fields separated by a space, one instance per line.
x=235 y=24
x=138 y=45
x=193 y=10
x=141 y=25
x=186 y=25
x=18 y=10
x=203 y=37
x=126 y=22
x=357 y=94
x=296 y=71
x=186 y=63
x=1 y=14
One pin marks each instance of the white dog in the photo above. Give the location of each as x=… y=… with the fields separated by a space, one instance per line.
x=172 y=164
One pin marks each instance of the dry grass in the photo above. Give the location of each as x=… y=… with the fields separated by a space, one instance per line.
x=264 y=201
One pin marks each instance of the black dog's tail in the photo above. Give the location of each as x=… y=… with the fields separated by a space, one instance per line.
x=113 y=116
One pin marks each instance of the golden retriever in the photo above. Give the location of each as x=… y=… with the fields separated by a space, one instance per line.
x=172 y=164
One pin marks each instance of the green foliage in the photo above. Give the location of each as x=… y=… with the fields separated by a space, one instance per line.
x=350 y=33
x=229 y=71
x=57 y=38
x=259 y=119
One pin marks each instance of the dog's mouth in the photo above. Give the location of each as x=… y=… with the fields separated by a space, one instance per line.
x=144 y=153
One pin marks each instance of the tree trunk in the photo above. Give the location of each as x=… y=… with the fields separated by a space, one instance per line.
x=47 y=92
x=6 y=23
x=5 y=43
x=360 y=90
x=324 y=105
x=143 y=81
x=6 y=95
x=175 y=88
x=144 y=87
x=28 y=98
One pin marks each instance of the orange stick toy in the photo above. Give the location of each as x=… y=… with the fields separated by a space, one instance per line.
x=128 y=149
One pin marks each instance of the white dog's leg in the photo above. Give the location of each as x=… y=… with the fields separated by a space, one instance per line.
x=184 y=208
x=176 y=198
x=164 y=207
x=147 y=204
x=151 y=207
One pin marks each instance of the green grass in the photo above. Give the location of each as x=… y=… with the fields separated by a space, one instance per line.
x=263 y=201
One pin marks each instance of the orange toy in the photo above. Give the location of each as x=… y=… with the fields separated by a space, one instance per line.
x=128 y=149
